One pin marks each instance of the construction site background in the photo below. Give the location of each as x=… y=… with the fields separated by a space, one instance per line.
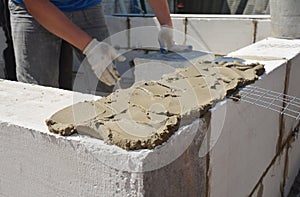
x=120 y=7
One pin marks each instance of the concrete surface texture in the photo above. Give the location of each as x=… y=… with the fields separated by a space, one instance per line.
x=237 y=149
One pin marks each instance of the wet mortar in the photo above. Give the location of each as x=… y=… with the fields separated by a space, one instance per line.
x=148 y=113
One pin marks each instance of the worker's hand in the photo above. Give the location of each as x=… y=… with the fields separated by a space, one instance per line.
x=100 y=56
x=166 y=41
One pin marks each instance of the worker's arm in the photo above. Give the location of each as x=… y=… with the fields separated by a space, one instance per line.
x=50 y=17
x=161 y=11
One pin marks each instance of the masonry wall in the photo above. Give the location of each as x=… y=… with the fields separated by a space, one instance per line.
x=220 y=34
x=36 y=162
x=257 y=151
x=253 y=151
x=238 y=150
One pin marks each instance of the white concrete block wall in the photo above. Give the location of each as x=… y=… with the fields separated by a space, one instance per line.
x=290 y=124
x=36 y=162
x=293 y=161
x=118 y=30
x=287 y=50
x=271 y=183
x=219 y=35
x=247 y=150
x=39 y=164
x=240 y=159
x=269 y=49
x=292 y=89
x=246 y=143
x=279 y=178
x=144 y=32
x=263 y=29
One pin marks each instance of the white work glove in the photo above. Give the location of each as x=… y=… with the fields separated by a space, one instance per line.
x=100 y=56
x=166 y=41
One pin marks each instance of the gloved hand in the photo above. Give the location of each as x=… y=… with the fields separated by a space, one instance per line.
x=166 y=41
x=100 y=56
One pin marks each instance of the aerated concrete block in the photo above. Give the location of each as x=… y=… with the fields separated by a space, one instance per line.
x=263 y=29
x=40 y=163
x=293 y=163
x=279 y=49
x=243 y=141
x=118 y=30
x=144 y=31
x=271 y=184
x=219 y=36
x=249 y=137
x=223 y=153
x=292 y=80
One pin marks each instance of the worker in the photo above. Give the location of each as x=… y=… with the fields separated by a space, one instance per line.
x=39 y=26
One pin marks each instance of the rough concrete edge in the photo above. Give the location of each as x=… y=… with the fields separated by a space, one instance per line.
x=144 y=160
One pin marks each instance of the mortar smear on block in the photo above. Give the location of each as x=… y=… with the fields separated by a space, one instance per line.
x=148 y=113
